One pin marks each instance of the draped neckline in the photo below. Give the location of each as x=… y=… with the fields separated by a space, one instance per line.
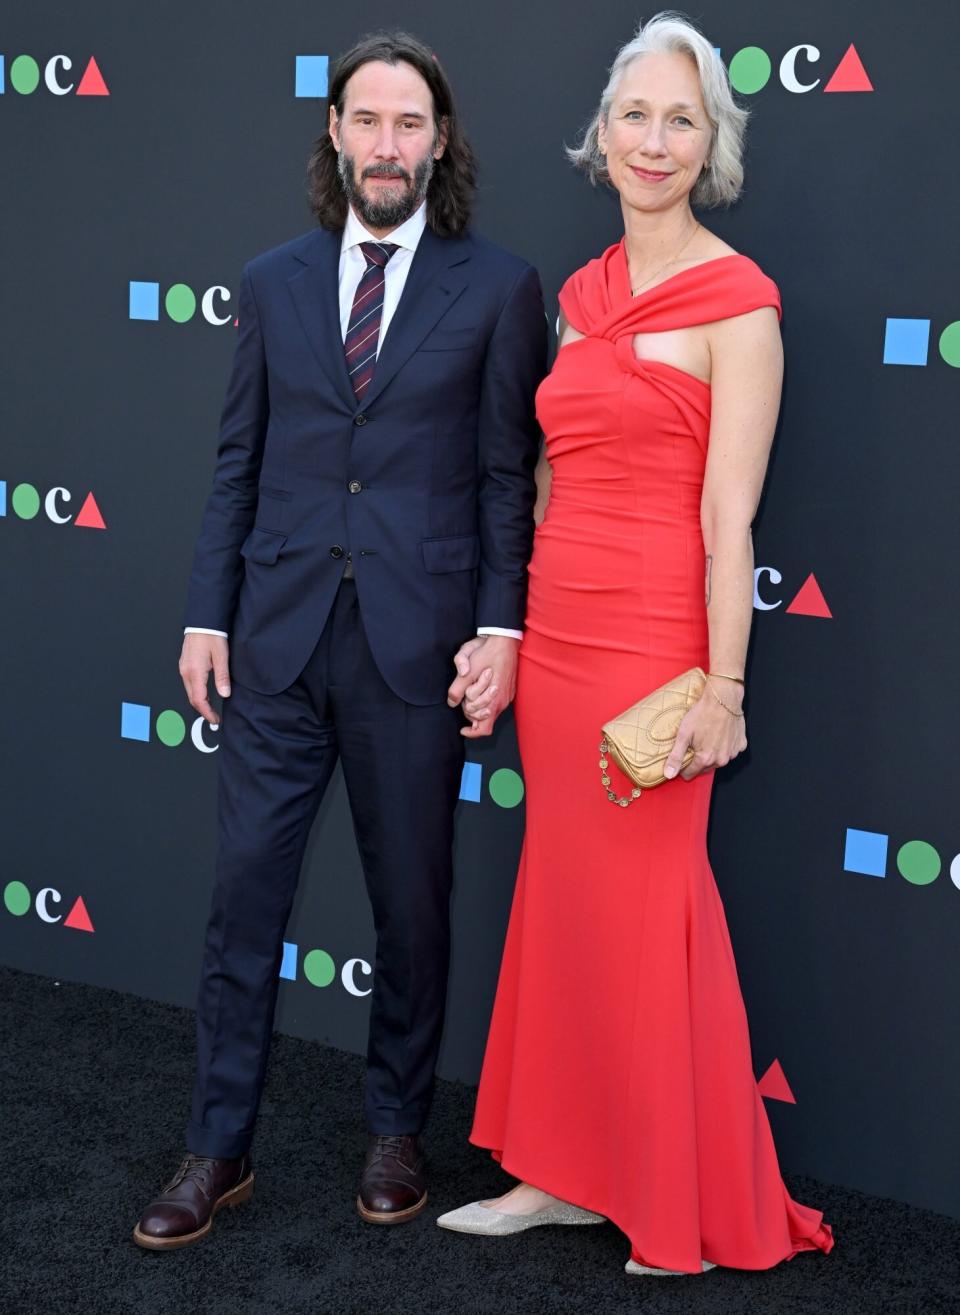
x=621 y=270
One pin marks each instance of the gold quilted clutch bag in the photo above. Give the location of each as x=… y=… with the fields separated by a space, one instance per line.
x=640 y=740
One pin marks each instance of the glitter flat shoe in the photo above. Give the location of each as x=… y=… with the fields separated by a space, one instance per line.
x=478 y=1218
x=633 y=1268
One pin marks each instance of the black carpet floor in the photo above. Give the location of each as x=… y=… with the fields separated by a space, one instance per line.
x=94 y=1089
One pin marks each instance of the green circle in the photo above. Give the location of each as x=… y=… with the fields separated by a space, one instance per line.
x=918 y=862
x=171 y=728
x=17 y=898
x=25 y=501
x=506 y=787
x=24 y=74
x=318 y=968
x=950 y=343
x=750 y=70
x=180 y=303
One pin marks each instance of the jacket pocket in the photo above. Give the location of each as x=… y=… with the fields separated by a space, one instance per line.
x=460 y=553
x=267 y=492
x=262 y=546
x=448 y=340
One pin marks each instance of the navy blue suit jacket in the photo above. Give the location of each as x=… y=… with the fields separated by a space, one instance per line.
x=428 y=484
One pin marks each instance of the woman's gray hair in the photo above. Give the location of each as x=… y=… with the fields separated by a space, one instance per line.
x=671 y=33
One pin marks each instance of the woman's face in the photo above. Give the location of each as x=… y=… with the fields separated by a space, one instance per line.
x=657 y=136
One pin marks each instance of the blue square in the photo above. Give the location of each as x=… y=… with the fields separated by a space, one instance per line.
x=906 y=342
x=3 y=497
x=866 y=852
x=288 y=965
x=144 y=301
x=470 y=782
x=3 y=85
x=135 y=721
x=311 y=75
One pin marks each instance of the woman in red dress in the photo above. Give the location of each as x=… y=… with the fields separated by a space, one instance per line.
x=618 y=1082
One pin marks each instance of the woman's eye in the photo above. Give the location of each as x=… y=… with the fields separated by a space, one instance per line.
x=685 y=122
x=633 y=114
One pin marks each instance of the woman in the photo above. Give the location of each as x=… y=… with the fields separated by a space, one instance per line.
x=628 y=1093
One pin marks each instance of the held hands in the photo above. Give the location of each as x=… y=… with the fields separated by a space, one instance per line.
x=716 y=734
x=200 y=655
x=486 y=681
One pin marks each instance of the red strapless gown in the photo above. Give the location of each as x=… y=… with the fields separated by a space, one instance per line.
x=618 y=1073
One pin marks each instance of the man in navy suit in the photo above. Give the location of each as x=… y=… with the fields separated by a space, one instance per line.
x=370 y=522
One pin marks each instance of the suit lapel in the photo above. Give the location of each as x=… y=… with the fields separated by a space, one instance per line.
x=315 y=291
x=437 y=277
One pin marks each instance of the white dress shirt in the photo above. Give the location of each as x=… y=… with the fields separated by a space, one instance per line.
x=353 y=265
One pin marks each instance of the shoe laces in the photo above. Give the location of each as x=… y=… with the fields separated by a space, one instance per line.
x=195 y=1167
x=388 y=1144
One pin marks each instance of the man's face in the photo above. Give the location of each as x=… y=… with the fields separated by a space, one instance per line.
x=387 y=143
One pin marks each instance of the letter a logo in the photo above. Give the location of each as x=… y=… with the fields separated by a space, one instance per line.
x=850 y=75
x=92 y=83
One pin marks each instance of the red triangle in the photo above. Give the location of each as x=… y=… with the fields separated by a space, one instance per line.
x=810 y=600
x=775 y=1085
x=78 y=917
x=850 y=75
x=236 y=323
x=89 y=515
x=92 y=83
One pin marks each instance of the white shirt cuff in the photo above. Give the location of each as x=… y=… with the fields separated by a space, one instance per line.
x=201 y=630
x=499 y=630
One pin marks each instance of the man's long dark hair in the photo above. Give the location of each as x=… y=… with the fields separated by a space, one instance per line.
x=450 y=194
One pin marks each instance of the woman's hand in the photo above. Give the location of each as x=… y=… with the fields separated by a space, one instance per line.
x=716 y=735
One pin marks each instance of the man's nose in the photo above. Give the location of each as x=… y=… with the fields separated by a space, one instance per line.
x=386 y=148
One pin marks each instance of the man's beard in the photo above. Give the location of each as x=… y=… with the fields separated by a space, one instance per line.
x=394 y=209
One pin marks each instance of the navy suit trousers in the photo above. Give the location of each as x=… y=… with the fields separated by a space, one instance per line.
x=402 y=766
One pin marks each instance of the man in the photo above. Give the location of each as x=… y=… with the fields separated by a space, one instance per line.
x=370 y=520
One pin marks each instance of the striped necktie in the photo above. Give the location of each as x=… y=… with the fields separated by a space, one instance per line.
x=363 y=331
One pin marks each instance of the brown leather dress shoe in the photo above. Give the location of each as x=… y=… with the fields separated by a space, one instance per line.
x=184 y=1210
x=393 y=1183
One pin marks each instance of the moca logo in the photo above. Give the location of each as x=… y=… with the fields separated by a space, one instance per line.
x=751 y=68
x=25 y=502
x=19 y=901
x=180 y=303
x=25 y=75
x=918 y=862
x=808 y=600
x=171 y=729
x=907 y=342
x=320 y=970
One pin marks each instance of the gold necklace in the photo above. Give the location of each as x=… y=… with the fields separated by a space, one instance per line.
x=673 y=259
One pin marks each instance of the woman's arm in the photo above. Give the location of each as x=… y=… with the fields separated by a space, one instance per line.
x=543 y=473
x=746 y=379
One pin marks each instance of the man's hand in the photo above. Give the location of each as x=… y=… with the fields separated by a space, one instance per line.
x=200 y=655
x=486 y=681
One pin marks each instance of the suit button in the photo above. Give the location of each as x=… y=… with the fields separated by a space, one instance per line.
x=336 y=551
x=354 y=486
x=361 y=419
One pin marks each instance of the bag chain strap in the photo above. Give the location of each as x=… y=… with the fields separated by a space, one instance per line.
x=622 y=801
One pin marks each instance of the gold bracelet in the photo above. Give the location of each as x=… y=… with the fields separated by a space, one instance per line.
x=738 y=679
x=722 y=704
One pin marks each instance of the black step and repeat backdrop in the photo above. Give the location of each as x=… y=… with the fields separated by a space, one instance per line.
x=148 y=151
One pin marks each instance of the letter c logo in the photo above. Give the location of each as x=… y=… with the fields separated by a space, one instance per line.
x=788 y=68
x=206 y=304
x=50 y=74
x=196 y=735
x=775 y=578
x=347 y=976
x=40 y=904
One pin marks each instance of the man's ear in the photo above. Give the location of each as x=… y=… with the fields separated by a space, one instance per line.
x=333 y=125
x=443 y=134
